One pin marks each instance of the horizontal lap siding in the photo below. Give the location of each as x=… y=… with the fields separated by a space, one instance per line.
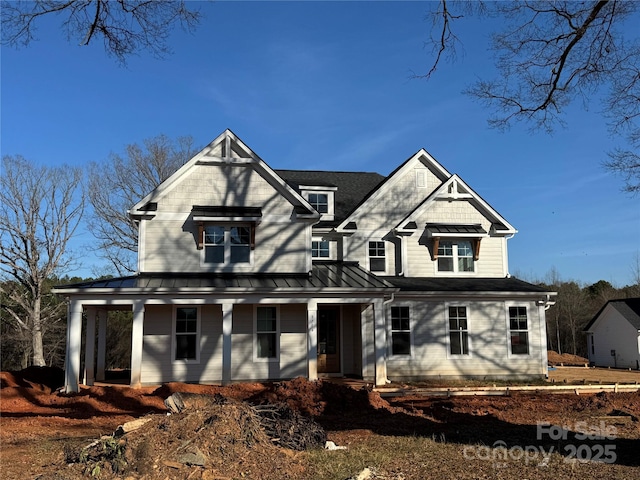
x=281 y=244
x=293 y=345
x=613 y=332
x=488 y=343
x=157 y=363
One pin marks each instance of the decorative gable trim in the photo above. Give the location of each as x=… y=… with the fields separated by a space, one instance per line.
x=421 y=157
x=455 y=189
x=228 y=149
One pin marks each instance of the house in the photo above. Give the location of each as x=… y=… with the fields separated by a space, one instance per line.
x=246 y=273
x=613 y=335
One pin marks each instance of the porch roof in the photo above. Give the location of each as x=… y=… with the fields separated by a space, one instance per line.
x=460 y=285
x=324 y=275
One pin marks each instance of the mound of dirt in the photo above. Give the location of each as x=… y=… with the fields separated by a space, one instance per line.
x=566 y=359
x=38 y=378
x=213 y=437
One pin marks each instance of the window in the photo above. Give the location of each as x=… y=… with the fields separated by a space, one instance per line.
x=319 y=201
x=226 y=244
x=518 y=330
x=458 y=331
x=455 y=257
x=320 y=249
x=186 y=334
x=266 y=333
x=376 y=257
x=400 y=331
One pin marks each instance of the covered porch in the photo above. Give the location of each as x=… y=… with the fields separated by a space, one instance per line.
x=330 y=323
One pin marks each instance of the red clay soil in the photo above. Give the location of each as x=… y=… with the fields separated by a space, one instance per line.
x=31 y=412
x=566 y=359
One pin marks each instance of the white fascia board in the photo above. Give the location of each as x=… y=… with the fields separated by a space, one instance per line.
x=391 y=180
x=174 y=179
x=488 y=208
x=444 y=295
x=317 y=188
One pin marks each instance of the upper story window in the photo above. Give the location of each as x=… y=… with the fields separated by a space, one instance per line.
x=227 y=244
x=377 y=262
x=456 y=256
x=321 y=198
x=320 y=249
x=319 y=201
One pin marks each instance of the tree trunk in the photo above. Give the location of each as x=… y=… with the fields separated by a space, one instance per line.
x=36 y=336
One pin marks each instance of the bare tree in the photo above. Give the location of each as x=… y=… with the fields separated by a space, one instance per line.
x=40 y=209
x=117 y=185
x=125 y=26
x=550 y=53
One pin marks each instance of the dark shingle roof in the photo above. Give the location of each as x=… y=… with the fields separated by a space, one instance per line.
x=352 y=187
x=429 y=284
x=330 y=275
x=629 y=308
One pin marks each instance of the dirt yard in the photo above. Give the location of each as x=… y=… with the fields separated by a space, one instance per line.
x=43 y=433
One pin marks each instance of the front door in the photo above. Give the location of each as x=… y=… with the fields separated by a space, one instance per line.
x=328 y=340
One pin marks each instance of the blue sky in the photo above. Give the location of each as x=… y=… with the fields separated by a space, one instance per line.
x=328 y=86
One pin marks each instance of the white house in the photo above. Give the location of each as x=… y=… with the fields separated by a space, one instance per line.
x=613 y=335
x=247 y=273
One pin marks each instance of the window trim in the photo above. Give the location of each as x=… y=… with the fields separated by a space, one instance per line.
x=448 y=330
x=320 y=239
x=390 y=330
x=174 y=335
x=256 y=358
x=226 y=265
x=455 y=257
x=384 y=257
x=508 y=306
x=309 y=190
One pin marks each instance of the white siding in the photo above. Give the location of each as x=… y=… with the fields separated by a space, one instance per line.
x=157 y=363
x=281 y=244
x=489 y=344
x=293 y=345
x=613 y=332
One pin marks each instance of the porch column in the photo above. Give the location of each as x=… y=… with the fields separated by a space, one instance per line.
x=102 y=344
x=74 y=341
x=90 y=347
x=227 y=327
x=312 y=340
x=136 y=343
x=380 y=342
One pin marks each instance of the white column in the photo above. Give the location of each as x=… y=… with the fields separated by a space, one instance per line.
x=90 y=347
x=312 y=340
x=74 y=341
x=102 y=344
x=542 y=343
x=364 y=342
x=227 y=327
x=380 y=342
x=136 y=343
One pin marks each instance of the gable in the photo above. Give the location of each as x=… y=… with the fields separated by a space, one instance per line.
x=628 y=308
x=398 y=194
x=456 y=204
x=225 y=173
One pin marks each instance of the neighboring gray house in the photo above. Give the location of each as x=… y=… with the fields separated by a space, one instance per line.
x=613 y=336
x=247 y=273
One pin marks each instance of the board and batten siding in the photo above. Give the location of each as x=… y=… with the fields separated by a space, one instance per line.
x=489 y=343
x=613 y=332
x=158 y=365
